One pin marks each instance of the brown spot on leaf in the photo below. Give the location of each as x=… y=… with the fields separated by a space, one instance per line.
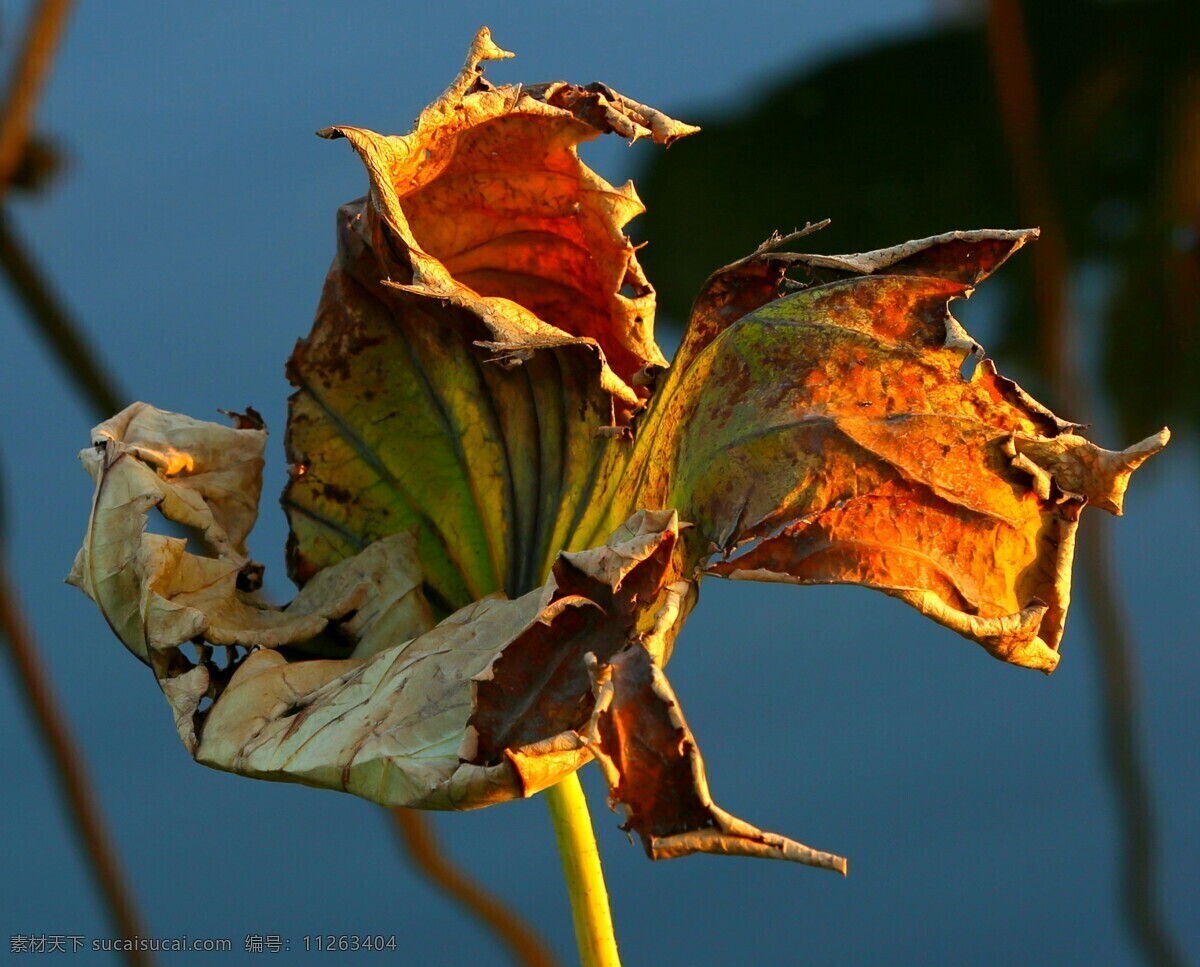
x=539 y=686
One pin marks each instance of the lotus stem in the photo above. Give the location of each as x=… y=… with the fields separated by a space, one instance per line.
x=1018 y=99
x=30 y=69
x=73 y=781
x=51 y=321
x=585 y=878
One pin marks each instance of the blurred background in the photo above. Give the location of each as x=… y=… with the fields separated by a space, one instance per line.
x=172 y=208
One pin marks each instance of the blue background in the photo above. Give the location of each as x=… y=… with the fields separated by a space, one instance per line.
x=191 y=235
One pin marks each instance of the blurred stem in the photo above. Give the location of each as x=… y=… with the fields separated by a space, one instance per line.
x=30 y=69
x=72 y=778
x=1016 y=94
x=72 y=352
x=522 y=943
x=69 y=348
x=25 y=84
x=585 y=878
x=1139 y=881
x=1016 y=97
x=54 y=325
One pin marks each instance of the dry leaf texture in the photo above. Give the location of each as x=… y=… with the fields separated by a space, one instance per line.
x=484 y=237
x=830 y=436
x=390 y=720
x=502 y=502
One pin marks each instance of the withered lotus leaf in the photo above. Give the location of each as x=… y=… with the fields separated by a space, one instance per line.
x=829 y=437
x=502 y=500
x=483 y=230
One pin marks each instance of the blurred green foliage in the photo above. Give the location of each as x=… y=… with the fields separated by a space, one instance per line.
x=904 y=141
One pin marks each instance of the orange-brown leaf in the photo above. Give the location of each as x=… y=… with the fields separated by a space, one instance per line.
x=539 y=686
x=491 y=208
x=484 y=319
x=830 y=436
x=654 y=770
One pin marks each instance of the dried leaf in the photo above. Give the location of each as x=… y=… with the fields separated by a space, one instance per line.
x=458 y=717
x=390 y=720
x=653 y=766
x=485 y=243
x=539 y=687
x=494 y=212
x=480 y=433
x=1128 y=51
x=157 y=595
x=829 y=436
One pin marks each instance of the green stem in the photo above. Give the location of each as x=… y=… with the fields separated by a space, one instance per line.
x=585 y=879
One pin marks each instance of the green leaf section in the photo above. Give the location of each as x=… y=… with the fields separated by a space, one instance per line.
x=400 y=420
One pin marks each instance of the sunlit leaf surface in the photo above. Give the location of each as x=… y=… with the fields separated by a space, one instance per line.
x=502 y=501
